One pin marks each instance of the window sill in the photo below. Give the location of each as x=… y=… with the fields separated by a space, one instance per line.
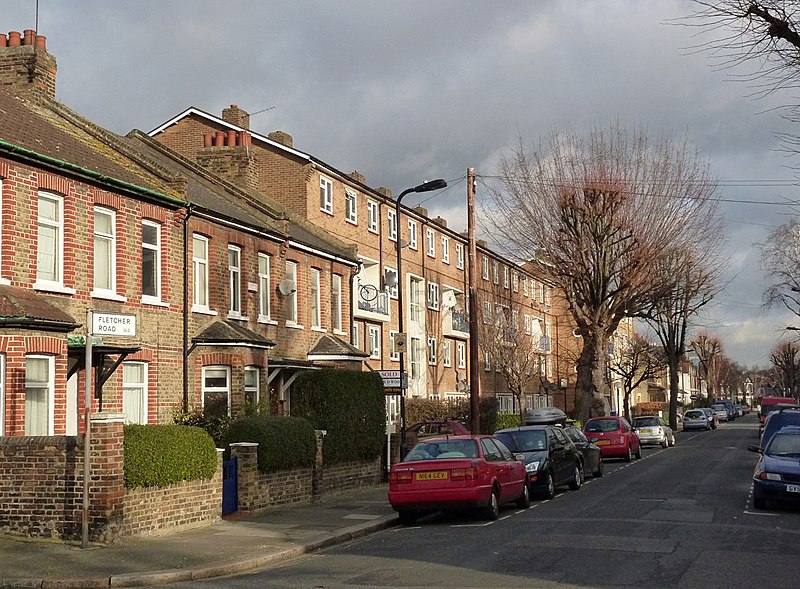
x=352 y=222
x=237 y=316
x=107 y=295
x=5 y=281
x=266 y=320
x=203 y=310
x=293 y=325
x=53 y=287
x=154 y=302
x=339 y=332
x=319 y=329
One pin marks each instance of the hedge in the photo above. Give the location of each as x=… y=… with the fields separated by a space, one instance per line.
x=350 y=406
x=459 y=409
x=161 y=455
x=283 y=442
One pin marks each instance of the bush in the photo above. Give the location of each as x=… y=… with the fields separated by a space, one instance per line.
x=283 y=442
x=459 y=409
x=161 y=455
x=215 y=425
x=350 y=406
x=507 y=420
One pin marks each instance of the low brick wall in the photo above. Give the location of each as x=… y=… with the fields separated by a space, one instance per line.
x=348 y=475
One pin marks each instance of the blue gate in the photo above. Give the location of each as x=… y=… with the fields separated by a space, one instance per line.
x=230 y=487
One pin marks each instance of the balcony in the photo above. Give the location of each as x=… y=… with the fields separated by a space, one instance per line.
x=371 y=303
x=544 y=343
x=456 y=325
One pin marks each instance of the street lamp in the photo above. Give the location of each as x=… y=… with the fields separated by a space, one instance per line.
x=401 y=336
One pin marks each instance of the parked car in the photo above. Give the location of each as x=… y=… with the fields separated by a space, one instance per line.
x=695 y=419
x=732 y=414
x=711 y=415
x=545 y=416
x=770 y=404
x=592 y=456
x=614 y=436
x=551 y=459
x=421 y=430
x=778 y=419
x=777 y=473
x=652 y=429
x=721 y=411
x=458 y=472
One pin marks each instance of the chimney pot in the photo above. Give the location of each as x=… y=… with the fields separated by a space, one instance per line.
x=30 y=37
x=14 y=39
x=219 y=139
x=231 y=139
x=41 y=42
x=208 y=139
x=3 y=40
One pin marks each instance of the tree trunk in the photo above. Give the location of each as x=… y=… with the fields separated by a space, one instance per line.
x=673 y=395
x=521 y=404
x=590 y=392
x=626 y=405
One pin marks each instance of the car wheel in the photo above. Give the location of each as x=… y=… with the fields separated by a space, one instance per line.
x=577 y=478
x=599 y=471
x=492 y=510
x=548 y=490
x=672 y=441
x=407 y=517
x=638 y=452
x=628 y=454
x=524 y=502
x=665 y=442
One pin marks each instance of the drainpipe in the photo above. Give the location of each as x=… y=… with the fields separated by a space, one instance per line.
x=186 y=348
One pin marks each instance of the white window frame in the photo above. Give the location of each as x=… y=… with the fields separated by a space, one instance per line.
x=336 y=303
x=374 y=341
x=316 y=299
x=355 y=335
x=432 y=297
x=226 y=389
x=487 y=361
x=506 y=277
x=139 y=388
x=430 y=243
x=461 y=352
x=109 y=240
x=515 y=281
x=250 y=389
x=525 y=286
x=485 y=268
x=447 y=353
x=487 y=312
x=392 y=290
x=156 y=249
x=547 y=296
x=533 y=290
x=415 y=299
x=541 y=293
x=445 y=249
x=351 y=206
x=412 y=234
x=495 y=272
x=372 y=217
x=391 y=217
x=56 y=281
x=264 y=288
x=49 y=385
x=291 y=298
x=415 y=359
x=200 y=294
x=460 y=256
x=432 y=351
x=393 y=353
x=234 y=281
x=326 y=195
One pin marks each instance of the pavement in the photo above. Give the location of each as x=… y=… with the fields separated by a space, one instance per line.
x=238 y=543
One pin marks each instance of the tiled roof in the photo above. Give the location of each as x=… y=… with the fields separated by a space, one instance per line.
x=329 y=345
x=229 y=332
x=21 y=306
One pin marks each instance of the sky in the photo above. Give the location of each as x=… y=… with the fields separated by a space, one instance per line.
x=414 y=90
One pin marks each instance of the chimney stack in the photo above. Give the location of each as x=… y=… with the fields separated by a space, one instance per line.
x=25 y=64
x=236 y=116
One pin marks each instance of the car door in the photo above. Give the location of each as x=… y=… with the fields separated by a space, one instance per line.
x=497 y=466
x=559 y=458
x=517 y=476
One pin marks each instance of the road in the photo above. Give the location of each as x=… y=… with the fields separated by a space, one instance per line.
x=679 y=517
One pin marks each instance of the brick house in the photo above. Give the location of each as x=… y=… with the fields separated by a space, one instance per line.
x=91 y=221
x=435 y=258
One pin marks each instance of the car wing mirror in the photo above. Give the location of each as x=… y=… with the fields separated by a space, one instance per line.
x=520 y=457
x=755 y=449
x=593 y=440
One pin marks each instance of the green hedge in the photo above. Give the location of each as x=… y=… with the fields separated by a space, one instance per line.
x=507 y=420
x=283 y=442
x=161 y=455
x=350 y=406
x=216 y=425
x=459 y=409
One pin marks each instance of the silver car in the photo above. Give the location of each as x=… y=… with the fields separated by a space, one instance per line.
x=652 y=430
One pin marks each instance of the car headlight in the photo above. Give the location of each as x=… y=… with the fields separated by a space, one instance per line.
x=532 y=466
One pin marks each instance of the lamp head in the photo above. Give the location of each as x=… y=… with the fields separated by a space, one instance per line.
x=431 y=185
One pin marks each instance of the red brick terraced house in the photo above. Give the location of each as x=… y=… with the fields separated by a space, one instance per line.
x=229 y=299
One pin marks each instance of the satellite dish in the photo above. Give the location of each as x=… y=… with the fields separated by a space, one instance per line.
x=286 y=287
x=390 y=278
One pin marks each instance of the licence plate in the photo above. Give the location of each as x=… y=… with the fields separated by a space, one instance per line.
x=646 y=431
x=601 y=442
x=793 y=488
x=427 y=476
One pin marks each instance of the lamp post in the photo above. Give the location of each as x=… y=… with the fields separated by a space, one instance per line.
x=424 y=187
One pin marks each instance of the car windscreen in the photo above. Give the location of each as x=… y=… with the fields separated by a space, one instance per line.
x=531 y=440
x=645 y=421
x=443 y=449
x=784 y=444
x=694 y=414
x=602 y=425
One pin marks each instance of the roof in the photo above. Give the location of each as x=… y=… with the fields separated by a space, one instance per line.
x=21 y=307
x=330 y=347
x=227 y=332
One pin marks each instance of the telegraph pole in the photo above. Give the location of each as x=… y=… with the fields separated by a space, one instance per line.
x=474 y=377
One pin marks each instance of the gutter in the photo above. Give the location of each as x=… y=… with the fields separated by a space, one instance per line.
x=187 y=349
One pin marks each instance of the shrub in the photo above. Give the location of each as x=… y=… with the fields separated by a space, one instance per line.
x=161 y=455
x=283 y=442
x=507 y=420
x=215 y=425
x=459 y=409
x=350 y=406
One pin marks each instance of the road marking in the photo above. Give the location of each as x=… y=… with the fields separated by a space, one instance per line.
x=747 y=512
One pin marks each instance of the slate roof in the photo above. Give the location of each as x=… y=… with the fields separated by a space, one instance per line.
x=229 y=332
x=329 y=345
x=21 y=307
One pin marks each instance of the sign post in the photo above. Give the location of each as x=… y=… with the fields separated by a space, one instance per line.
x=116 y=325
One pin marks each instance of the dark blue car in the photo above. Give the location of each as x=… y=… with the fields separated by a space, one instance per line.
x=777 y=474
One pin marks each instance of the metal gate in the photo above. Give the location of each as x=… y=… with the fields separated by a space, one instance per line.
x=230 y=487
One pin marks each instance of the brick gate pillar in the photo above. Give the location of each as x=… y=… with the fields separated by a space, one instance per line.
x=107 y=478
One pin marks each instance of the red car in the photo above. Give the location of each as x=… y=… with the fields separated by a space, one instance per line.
x=457 y=472
x=614 y=436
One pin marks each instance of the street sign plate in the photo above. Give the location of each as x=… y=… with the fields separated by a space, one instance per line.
x=113 y=324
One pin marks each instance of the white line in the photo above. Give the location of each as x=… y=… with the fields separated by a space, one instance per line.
x=760 y=513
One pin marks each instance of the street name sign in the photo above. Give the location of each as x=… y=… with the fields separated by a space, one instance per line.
x=113 y=324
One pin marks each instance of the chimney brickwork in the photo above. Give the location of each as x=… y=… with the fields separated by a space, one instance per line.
x=236 y=116
x=25 y=64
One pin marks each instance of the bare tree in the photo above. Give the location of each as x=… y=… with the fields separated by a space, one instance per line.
x=709 y=351
x=785 y=356
x=512 y=350
x=780 y=256
x=598 y=211
x=695 y=277
x=634 y=364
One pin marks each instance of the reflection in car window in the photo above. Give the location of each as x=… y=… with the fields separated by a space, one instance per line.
x=603 y=425
x=783 y=445
x=524 y=440
x=442 y=450
x=504 y=451
x=490 y=452
x=645 y=421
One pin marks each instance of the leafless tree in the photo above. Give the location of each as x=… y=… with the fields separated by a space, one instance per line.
x=695 y=273
x=599 y=210
x=709 y=351
x=512 y=349
x=785 y=356
x=780 y=256
x=634 y=364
